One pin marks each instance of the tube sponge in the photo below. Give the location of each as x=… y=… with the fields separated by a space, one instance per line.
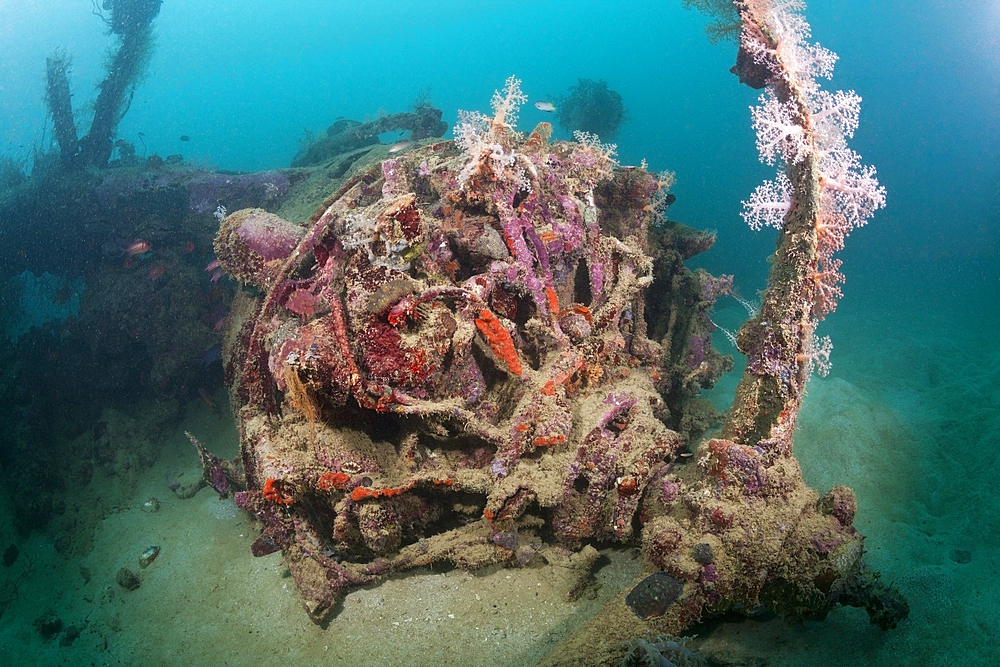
x=251 y=242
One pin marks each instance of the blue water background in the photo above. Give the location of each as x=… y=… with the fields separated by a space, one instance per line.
x=246 y=80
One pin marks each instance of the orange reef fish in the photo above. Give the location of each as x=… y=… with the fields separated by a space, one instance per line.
x=138 y=248
x=188 y=247
x=547 y=107
x=156 y=272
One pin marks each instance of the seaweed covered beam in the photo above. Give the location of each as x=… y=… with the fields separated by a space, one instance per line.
x=57 y=96
x=348 y=135
x=132 y=22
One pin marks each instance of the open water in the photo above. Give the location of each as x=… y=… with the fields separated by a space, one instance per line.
x=909 y=416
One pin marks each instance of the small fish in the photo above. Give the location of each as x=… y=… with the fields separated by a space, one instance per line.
x=207 y=400
x=400 y=146
x=547 y=107
x=264 y=545
x=188 y=247
x=156 y=272
x=138 y=248
x=185 y=137
x=213 y=354
x=172 y=483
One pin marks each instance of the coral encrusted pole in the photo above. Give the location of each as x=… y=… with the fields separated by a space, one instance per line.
x=820 y=194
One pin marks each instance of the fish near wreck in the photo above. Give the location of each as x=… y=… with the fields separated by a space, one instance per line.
x=409 y=392
x=138 y=248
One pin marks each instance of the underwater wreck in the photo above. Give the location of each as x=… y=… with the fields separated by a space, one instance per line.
x=489 y=350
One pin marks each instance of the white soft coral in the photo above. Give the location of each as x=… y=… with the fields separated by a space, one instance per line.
x=487 y=141
x=768 y=204
x=778 y=133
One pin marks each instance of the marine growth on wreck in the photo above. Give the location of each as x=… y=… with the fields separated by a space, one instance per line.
x=453 y=363
x=482 y=351
x=489 y=351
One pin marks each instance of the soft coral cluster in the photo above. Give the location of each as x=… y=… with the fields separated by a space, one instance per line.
x=796 y=119
x=487 y=140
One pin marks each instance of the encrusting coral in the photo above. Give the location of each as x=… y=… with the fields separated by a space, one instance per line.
x=468 y=331
x=471 y=328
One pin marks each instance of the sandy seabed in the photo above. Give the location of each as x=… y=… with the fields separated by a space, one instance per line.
x=912 y=439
